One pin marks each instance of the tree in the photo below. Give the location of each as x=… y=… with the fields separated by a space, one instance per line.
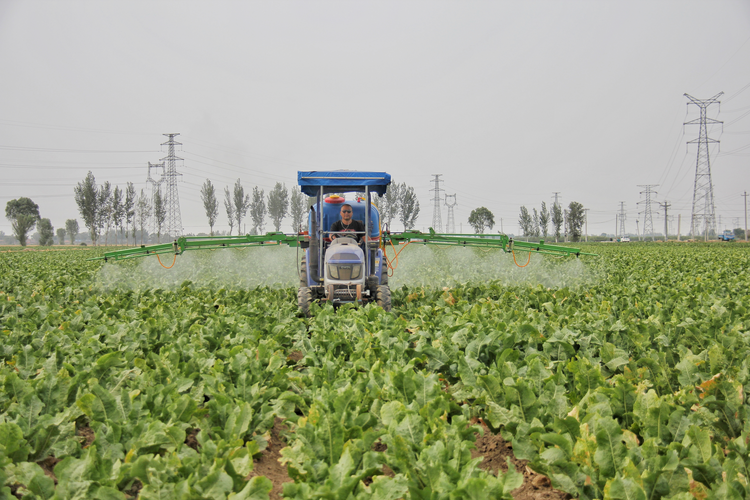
x=535 y=223
x=389 y=204
x=481 y=218
x=142 y=212
x=409 y=207
x=297 y=209
x=46 y=233
x=557 y=220
x=229 y=207
x=525 y=222
x=61 y=235
x=129 y=210
x=160 y=213
x=86 y=196
x=278 y=204
x=117 y=211
x=104 y=209
x=23 y=214
x=210 y=203
x=241 y=204
x=71 y=227
x=739 y=233
x=258 y=210
x=576 y=216
x=544 y=219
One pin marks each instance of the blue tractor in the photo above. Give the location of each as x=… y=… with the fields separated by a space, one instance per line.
x=341 y=270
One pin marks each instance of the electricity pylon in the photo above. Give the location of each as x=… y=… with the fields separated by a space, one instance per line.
x=437 y=222
x=622 y=219
x=173 y=223
x=450 y=226
x=155 y=188
x=648 y=224
x=704 y=211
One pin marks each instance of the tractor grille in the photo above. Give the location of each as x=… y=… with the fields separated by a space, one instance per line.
x=345 y=293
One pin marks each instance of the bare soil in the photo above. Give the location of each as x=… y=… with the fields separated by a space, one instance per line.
x=85 y=434
x=494 y=449
x=268 y=463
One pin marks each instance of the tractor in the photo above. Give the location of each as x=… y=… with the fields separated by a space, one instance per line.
x=342 y=269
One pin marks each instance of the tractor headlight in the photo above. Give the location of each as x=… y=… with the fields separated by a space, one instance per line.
x=345 y=271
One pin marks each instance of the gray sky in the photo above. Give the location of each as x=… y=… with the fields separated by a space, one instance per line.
x=510 y=101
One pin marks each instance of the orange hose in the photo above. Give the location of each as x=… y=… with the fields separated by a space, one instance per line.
x=165 y=267
x=514 y=259
x=395 y=257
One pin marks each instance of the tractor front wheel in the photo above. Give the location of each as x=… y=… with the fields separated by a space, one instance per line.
x=383 y=297
x=304 y=299
x=303 y=272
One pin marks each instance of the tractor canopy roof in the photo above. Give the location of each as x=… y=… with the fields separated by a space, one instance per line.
x=341 y=181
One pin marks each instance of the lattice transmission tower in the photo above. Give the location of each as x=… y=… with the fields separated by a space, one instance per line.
x=450 y=226
x=621 y=219
x=648 y=222
x=173 y=222
x=704 y=212
x=155 y=188
x=437 y=221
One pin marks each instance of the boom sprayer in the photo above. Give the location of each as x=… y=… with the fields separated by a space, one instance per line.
x=342 y=264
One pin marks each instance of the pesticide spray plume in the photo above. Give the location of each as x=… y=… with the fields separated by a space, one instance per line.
x=278 y=267
x=232 y=269
x=433 y=266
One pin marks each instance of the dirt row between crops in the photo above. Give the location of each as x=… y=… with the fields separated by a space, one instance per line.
x=492 y=447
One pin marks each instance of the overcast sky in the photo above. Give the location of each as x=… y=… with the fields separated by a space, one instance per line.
x=510 y=101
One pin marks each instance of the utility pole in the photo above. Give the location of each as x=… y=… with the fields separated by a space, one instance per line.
x=172 y=199
x=665 y=206
x=704 y=212
x=622 y=219
x=648 y=224
x=437 y=221
x=745 y=195
x=586 y=218
x=679 y=226
x=637 y=230
x=450 y=226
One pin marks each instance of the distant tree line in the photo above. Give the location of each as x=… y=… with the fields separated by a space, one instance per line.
x=399 y=202
x=23 y=215
x=564 y=222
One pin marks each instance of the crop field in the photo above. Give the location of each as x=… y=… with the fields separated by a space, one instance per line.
x=623 y=376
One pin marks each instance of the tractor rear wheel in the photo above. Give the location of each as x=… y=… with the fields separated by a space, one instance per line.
x=383 y=297
x=304 y=299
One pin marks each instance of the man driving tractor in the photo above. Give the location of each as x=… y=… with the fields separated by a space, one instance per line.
x=347 y=224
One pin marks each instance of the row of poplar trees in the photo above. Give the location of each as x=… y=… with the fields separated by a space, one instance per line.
x=570 y=221
x=399 y=201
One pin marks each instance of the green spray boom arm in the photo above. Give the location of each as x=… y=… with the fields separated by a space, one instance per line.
x=480 y=240
x=185 y=243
